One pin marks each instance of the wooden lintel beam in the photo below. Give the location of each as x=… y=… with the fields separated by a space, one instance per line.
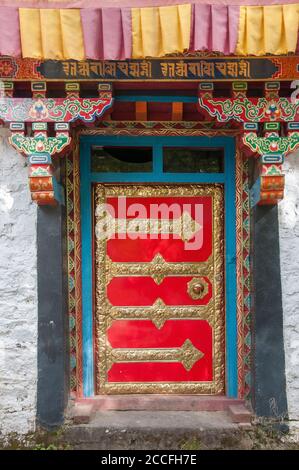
x=177 y=111
x=141 y=110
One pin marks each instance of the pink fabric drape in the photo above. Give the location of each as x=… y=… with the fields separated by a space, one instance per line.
x=10 y=42
x=107 y=33
x=215 y=28
x=130 y=3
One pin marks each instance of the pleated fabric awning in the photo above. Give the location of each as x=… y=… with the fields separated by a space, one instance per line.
x=99 y=29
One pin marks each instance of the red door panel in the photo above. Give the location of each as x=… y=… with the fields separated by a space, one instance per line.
x=172 y=249
x=159 y=302
x=144 y=291
x=143 y=334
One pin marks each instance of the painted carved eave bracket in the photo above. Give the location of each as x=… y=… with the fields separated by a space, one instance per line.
x=241 y=108
x=40 y=147
x=39 y=150
x=41 y=109
x=270 y=148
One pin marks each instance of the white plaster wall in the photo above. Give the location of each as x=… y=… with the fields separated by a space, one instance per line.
x=18 y=295
x=289 y=260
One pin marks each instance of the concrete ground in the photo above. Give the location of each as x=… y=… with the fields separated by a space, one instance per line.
x=159 y=430
x=118 y=430
x=176 y=430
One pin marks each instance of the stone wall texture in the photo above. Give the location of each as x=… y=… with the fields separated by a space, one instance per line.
x=289 y=260
x=18 y=295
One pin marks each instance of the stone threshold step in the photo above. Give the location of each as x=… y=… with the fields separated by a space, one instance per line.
x=160 y=402
x=83 y=410
x=111 y=430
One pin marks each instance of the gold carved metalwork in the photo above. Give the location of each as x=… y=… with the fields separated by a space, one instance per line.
x=197 y=288
x=187 y=355
x=159 y=313
x=73 y=202
x=105 y=314
x=161 y=128
x=184 y=227
x=158 y=269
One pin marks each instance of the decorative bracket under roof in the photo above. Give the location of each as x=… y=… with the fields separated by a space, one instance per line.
x=40 y=147
x=270 y=148
x=240 y=108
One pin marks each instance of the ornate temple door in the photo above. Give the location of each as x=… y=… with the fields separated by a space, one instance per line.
x=159 y=306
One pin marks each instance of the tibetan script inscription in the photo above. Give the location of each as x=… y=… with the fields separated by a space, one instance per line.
x=160 y=69
x=169 y=70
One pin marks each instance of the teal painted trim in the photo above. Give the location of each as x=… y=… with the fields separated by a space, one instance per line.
x=86 y=237
x=227 y=178
x=154 y=177
x=192 y=141
x=157 y=99
x=230 y=270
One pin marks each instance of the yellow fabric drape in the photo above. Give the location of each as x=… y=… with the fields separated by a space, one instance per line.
x=268 y=29
x=51 y=34
x=159 y=31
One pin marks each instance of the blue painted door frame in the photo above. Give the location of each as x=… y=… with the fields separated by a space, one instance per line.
x=227 y=178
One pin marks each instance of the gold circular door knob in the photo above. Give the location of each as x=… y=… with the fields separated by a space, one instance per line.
x=197 y=288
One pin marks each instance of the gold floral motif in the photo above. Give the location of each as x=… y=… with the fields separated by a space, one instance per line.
x=214 y=312
x=188 y=355
x=160 y=275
